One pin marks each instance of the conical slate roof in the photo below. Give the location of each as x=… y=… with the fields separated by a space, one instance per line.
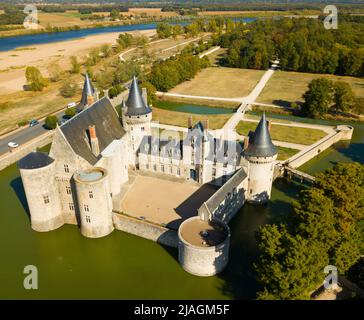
x=35 y=160
x=136 y=104
x=87 y=90
x=260 y=142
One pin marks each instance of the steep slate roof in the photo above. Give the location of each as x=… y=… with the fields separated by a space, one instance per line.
x=260 y=142
x=163 y=147
x=87 y=90
x=106 y=121
x=136 y=104
x=35 y=160
x=228 y=187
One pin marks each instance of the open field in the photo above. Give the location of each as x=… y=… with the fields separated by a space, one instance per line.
x=180 y=119
x=182 y=202
x=220 y=82
x=25 y=106
x=287 y=87
x=278 y=132
x=61 y=19
x=216 y=56
x=285 y=153
x=43 y=55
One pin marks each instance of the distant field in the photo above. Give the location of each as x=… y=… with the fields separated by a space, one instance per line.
x=181 y=119
x=66 y=19
x=298 y=135
x=221 y=82
x=287 y=87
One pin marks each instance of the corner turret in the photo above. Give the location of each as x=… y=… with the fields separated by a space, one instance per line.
x=261 y=154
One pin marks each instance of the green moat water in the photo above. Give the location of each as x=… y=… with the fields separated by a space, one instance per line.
x=193 y=108
x=123 y=266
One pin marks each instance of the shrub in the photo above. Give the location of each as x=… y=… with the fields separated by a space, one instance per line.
x=68 y=89
x=70 y=112
x=35 y=80
x=51 y=122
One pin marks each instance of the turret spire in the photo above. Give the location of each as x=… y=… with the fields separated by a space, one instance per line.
x=135 y=103
x=88 y=92
x=260 y=142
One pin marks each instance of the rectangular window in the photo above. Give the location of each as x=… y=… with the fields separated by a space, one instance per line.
x=155 y=167
x=178 y=171
x=88 y=219
x=142 y=128
x=90 y=194
x=86 y=208
x=170 y=170
x=162 y=168
x=68 y=190
x=46 y=199
x=71 y=206
x=66 y=168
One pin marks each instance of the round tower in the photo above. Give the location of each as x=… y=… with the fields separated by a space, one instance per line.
x=203 y=246
x=261 y=154
x=37 y=172
x=94 y=202
x=137 y=117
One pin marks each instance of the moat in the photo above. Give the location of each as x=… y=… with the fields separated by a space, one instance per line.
x=125 y=266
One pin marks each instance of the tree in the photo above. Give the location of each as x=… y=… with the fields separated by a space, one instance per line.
x=344 y=98
x=114 y=14
x=318 y=98
x=106 y=50
x=51 y=122
x=326 y=226
x=55 y=72
x=75 y=65
x=35 y=80
x=151 y=90
x=164 y=30
x=68 y=88
x=289 y=266
x=70 y=112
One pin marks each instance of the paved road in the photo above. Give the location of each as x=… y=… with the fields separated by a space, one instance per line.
x=24 y=135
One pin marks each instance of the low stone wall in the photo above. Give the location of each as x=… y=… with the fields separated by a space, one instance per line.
x=344 y=132
x=16 y=154
x=145 y=229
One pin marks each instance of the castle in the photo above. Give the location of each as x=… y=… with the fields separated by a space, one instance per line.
x=93 y=154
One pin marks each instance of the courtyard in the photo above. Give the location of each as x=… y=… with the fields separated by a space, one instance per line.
x=164 y=200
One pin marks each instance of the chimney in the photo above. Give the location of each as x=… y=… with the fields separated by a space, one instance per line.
x=269 y=125
x=189 y=125
x=145 y=95
x=94 y=141
x=90 y=100
x=206 y=124
x=246 y=143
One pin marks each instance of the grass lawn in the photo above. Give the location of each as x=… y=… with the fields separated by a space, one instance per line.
x=27 y=105
x=287 y=87
x=304 y=136
x=217 y=55
x=221 y=82
x=181 y=119
x=285 y=153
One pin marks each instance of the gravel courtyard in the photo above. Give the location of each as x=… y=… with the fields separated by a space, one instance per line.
x=166 y=201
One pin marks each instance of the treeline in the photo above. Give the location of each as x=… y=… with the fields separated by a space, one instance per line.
x=12 y=16
x=167 y=74
x=302 y=45
x=325 y=227
x=325 y=96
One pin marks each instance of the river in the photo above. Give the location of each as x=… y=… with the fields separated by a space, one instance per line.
x=122 y=266
x=11 y=43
